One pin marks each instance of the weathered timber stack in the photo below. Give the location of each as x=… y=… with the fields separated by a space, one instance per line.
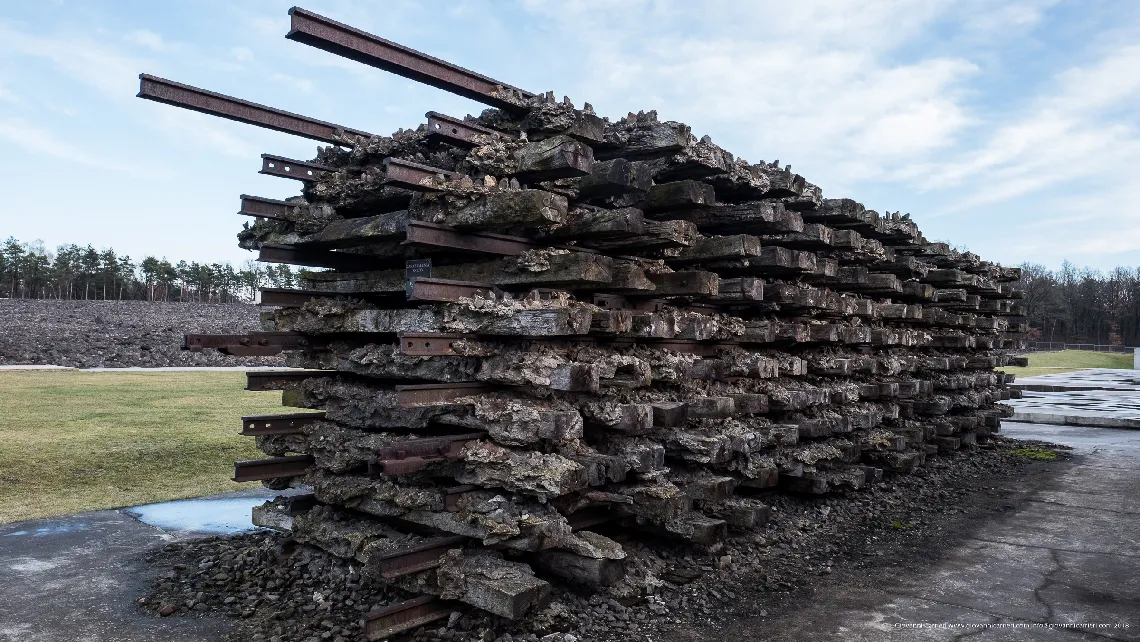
x=536 y=322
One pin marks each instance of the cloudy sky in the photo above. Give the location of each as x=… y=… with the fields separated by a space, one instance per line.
x=1006 y=126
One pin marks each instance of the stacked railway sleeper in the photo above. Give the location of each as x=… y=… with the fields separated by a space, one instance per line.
x=521 y=330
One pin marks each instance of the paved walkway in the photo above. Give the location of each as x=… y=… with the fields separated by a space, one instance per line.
x=1097 y=397
x=1070 y=556
x=140 y=369
x=77 y=577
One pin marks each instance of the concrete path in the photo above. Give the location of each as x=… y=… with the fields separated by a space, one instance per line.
x=78 y=577
x=1097 y=397
x=1070 y=556
x=140 y=369
x=1086 y=379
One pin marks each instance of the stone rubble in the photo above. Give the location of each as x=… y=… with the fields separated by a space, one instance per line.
x=665 y=339
x=277 y=590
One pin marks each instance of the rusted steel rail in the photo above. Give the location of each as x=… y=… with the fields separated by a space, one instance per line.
x=402 y=458
x=291 y=298
x=457 y=132
x=431 y=344
x=446 y=290
x=426 y=446
x=308 y=257
x=265 y=207
x=417 y=558
x=338 y=38
x=436 y=393
x=209 y=102
x=414 y=176
x=271 y=468
x=280 y=424
x=407 y=615
x=289 y=168
x=423 y=290
x=247 y=345
x=281 y=379
x=434 y=235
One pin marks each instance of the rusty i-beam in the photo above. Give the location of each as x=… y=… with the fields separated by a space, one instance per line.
x=289 y=168
x=209 y=102
x=407 y=615
x=338 y=38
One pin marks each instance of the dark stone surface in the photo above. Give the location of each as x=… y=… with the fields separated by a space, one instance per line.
x=969 y=542
x=79 y=577
x=114 y=334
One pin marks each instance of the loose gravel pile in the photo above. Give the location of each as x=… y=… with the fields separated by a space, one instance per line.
x=283 y=591
x=117 y=334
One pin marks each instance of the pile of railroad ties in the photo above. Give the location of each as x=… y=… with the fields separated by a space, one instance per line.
x=536 y=324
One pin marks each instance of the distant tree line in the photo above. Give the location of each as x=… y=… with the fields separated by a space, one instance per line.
x=1081 y=305
x=1072 y=305
x=29 y=270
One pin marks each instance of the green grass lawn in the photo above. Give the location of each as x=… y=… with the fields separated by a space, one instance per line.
x=1069 y=360
x=77 y=441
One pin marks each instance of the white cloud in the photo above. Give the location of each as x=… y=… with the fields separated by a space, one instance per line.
x=70 y=112
x=7 y=96
x=37 y=140
x=147 y=39
x=85 y=60
x=1066 y=137
x=303 y=85
x=894 y=95
x=191 y=129
x=811 y=82
x=1113 y=79
x=242 y=55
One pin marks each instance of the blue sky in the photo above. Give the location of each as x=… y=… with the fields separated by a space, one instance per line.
x=1008 y=127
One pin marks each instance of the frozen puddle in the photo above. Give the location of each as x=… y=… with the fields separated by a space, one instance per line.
x=224 y=515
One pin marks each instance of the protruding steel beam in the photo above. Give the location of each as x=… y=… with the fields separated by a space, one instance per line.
x=343 y=40
x=280 y=340
x=436 y=235
x=447 y=451
x=258 y=469
x=428 y=394
x=430 y=344
x=446 y=290
x=290 y=298
x=457 y=132
x=209 y=102
x=274 y=253
x=265 y=207
x=409 y=456
x=258 y=380
x=288 y=168
x=407 y=615
x=442 y=446
x=283 y=424
x=416 y=558
x=421 y=178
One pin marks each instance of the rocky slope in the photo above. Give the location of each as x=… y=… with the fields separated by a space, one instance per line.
x=116 y=334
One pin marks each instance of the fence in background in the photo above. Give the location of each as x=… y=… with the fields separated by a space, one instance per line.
x=1046 y=346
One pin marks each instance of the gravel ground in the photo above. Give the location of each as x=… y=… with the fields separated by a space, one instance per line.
x=283 y=591
x=116 y=334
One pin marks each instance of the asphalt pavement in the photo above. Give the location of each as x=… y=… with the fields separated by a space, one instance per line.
x=1064 y=566
x=77 y=578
